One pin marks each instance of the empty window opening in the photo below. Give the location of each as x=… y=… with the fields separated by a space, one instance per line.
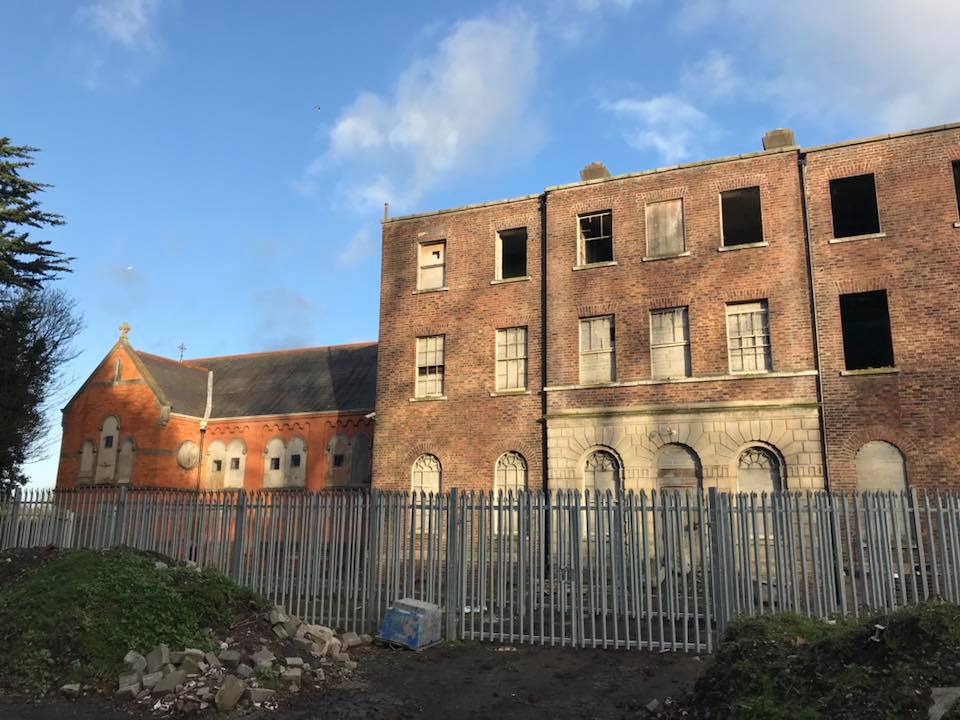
x=430 y=366
x=596 y=237
x=338 y=460
x=235 y=463
x=274 y=463
x=108 y=441
x=217 y=465
x=432 y=265
x=854 y=204
x=512 y=358
x=664 y=228
x=295 y=460
x=748 y=337
x=512 y=253
x=740 y=212
x=956 y=183
x=669 y=343
x=597 y=344
x=865 y=319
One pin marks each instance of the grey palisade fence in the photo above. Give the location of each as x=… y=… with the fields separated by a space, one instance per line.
x=657 y=571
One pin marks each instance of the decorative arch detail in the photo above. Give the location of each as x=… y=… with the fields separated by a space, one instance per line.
x=426 y=474
x=510 y=473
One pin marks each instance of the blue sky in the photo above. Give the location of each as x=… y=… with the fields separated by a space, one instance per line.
x=223 y=165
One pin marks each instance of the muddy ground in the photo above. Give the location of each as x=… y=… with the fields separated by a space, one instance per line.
x=459 y=680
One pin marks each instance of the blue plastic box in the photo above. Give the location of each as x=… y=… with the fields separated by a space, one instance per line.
x=411 y=623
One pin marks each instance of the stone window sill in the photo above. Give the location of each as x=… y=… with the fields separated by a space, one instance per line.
x=507 y=393
x=591 y=266
x=854 y=238
x=743 y=246
x=430 y=290
x=691 y=379
x=510 y=280
x=428 y=398
x=870 y=371
x=665 y=257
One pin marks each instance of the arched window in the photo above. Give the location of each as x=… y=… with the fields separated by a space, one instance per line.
x=601 y=472
x=360 y=457
x=338 y=461
x=236 y=457
x=426 y=474
x=296 y=463
x=511 y=474
x=125 y=461
x=274 y=457
x=107 y=454
x=880 y=466
x=678 y=468
x=759 y=471
x=88 y=456
x=216 y=465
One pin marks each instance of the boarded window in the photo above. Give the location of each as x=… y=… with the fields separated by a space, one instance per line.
x=664 y=223
x=107 y=458
x=742 y=221
x=597 y=350
x=296 y=470
x=430 y=366
x=596 y=237
x=678 y=468
x=273 y=465
x=512 y=358
x=237 y=453
x=758 y=471
x=433 y=264
x=426 y=475
x=956 y=183
x=87 y=459
x=748 y=337
x=216 y=452
x=125 y=461
x=511 y=474
x=511 y=253
x=854 y=204
x=669 y=343
x=880 y=466
x=601 y=472
x=360 y=465
x=865 y=319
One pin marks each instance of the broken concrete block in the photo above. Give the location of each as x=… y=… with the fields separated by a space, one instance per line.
x=263 y=657
x=70 y=690
x=350 y=665
x=191 y=667
x=176 y=657
x=349 y=639
x=244 y=671
x=230 y=693
x=211 y=660
x=280 y=632
x=128 y=692
x=230 y=657
x=293 y=662
x=260 y=695
x=157 y=658
x=318 y=633
x=291 y=676
x=128 y=679
x=169 y=682
x=151 y=679
x=135 y=661
x=366 y=639
x=278 y=616
x=304 y=644
x=193 y=653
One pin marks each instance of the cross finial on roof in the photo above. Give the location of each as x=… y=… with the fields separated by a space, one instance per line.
x=124 y=330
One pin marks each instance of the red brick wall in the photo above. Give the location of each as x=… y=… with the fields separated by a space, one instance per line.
x=470 y=429
x=918 y=264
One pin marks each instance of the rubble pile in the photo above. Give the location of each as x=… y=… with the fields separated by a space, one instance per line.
x=252 y=671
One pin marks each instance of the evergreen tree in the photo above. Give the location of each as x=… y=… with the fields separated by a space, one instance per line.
x=24 y=262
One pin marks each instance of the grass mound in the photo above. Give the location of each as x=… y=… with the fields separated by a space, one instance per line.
x=780 y=667
x=75 y=615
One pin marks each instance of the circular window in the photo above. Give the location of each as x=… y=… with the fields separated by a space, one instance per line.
x=188 y=455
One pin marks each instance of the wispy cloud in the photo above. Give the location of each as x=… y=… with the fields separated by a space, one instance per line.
x=127 y=22
x=666 y=124
x=570 y=21
x=359 y=247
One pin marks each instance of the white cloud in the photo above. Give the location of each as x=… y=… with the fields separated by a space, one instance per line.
x=666 y=124
x=360 y=247
x=882 y=65
x=712 y=75
x=571 y=21
x=464 y=107
x=127 y=22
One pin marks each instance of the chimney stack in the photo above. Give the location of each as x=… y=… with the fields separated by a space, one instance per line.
x=778 y=138
x=594 y=171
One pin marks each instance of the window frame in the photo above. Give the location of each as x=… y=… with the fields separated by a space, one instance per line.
x=421 y=245
x=723 y=232
x=612 y=351
x=684 y=312
x=521 y=359
x=843 y=335
x=647 y=255
x=768 y=355
x=498 y=263
x=833 y=214
x=582 y=241
x=442 y=366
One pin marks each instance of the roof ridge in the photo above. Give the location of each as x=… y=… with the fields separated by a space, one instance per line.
x=367 y=343
x=184 y=363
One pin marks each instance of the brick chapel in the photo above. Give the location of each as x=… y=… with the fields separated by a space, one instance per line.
x=781 y=319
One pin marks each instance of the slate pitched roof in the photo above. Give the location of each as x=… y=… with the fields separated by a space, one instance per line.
x=339 y=377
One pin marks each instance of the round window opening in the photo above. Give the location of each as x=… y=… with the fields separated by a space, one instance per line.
x=188 y=455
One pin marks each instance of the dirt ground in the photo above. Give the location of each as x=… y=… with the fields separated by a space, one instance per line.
x=457 y=680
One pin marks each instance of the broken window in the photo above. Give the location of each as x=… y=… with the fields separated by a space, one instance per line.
x=235 y=463
x=108 y=441
x=596 y=237
x=433 y=262
x=512 y=358
x=597 y=342
x=854 y=204
x=664 y=228
x=748 y=337
x=741 y=216
x=956 y=182
x=430 y=366
x=274 y=463
x=338 y=460
x=511 y=254
x=217 y=465
x=865 y=320
x=669 y=343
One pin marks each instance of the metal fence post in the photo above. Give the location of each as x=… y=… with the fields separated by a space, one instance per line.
x=119 y=515
x=236 y=557
x=10 y=539
x=373 y=559
x=452 y=599
x=717 y=566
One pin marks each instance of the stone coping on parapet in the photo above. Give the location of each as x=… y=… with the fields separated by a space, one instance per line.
x=669 y=168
